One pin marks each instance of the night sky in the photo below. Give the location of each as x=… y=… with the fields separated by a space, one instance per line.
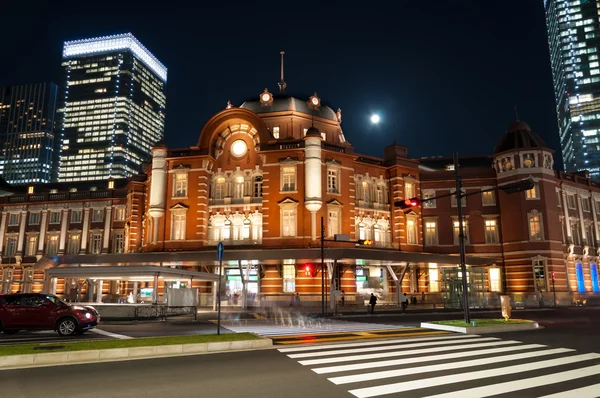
x=446 y=73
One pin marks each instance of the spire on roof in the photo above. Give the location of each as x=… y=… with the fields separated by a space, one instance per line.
x=516 y=114
x=282 y=84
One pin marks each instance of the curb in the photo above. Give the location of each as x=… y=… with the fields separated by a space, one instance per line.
x=9 y=362
x=483 y=329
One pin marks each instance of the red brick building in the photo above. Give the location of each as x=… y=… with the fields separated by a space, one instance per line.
x=260 y=179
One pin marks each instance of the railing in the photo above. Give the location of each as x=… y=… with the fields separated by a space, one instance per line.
x=334 y=148
x=49 y=197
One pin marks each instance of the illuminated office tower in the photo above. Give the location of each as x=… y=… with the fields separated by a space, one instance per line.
x=574 y=39
x=27 y=132
x=114 y=110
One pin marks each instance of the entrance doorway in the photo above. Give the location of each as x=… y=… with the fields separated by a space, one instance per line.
x=234 y=287
x=453 y=288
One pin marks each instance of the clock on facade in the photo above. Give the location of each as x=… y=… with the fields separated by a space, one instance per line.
x=238 y=148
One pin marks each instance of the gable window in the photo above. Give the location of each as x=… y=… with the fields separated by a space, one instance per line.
x=178 y=226
x=13 y=219
x=535 y=227
x=96 y=243
x=74 y=244
x=533 y=193
x=55 y=217
x=52 y=245
x=457 y=232
x=34 y=218
x=332 y=181
x=409 y=190
x=289 y=278
x=491 y=231
x=427 y=195
x=488 y=198
x=431 y=237
x=539 y=273
x=258 y=186
x=411 y=231
x=31 y=247
x=181 y=185
x=76 y=216
x=288 y=179
x=288 y=222
x=118 y=242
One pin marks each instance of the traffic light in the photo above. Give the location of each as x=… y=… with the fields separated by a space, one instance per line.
x=365 y=242
x=308 y=270
x=553 y=278
x=408 y=203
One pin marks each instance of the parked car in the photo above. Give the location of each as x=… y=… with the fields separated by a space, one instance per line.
x=39 y=311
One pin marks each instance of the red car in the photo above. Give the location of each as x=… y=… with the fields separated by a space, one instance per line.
x=33 y=311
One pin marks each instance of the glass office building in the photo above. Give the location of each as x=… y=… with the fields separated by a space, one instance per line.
x=27 y=132
x=574 y=40
x=114 y=109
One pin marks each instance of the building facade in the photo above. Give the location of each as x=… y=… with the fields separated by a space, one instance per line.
x=574 y=40
x=27 y=115
x=270 y=177
x=114 y=108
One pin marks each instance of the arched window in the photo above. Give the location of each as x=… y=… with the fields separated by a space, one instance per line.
x=258 y=186
x=227 y=230
x=219 y=188
x=365 y=194
x=246 y=229
x=239 y=187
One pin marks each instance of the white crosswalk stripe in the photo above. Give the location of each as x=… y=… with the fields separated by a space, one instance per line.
x=455 y=366
x=267 y=328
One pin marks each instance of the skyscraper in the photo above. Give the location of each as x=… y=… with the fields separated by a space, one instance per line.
x=574 y=39
x=114 y=110
x=27 y=132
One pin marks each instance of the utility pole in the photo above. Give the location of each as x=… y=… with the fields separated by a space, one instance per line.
x=322 y=268
x=461 y=240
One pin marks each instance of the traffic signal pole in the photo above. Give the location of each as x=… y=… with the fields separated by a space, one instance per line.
x=322 y=268
x=461 y=239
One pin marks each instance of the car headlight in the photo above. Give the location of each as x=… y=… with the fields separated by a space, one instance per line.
x=88 y=315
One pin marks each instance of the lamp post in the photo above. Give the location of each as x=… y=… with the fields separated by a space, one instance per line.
x=461 y=240
x=322 y=268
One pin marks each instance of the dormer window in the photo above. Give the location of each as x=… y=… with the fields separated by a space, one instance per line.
x=276 y=132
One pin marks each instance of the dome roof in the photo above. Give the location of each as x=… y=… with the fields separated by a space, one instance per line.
x=282 y=103
x=313 y=132
x=519 y=136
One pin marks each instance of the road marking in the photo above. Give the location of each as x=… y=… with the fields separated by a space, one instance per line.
x=444 y=366
x=583 y=392
x=431 y=358
x=371 y=343
x=462 y=377
x=109 y=334
x=379 y=348
x=517 y=385
x=406 y=353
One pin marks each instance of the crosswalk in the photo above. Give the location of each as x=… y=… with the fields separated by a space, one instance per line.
x=453 y=366
x=268 y=328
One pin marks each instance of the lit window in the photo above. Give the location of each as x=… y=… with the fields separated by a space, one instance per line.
x=535 y=227
x=96 y=243
x=74 y=242
x=288 y=222
x=457 y=232
x=366 y=191
x=219 y=188
x=411 y=229
x=495 y=281
x=239 y=188
x=181 y=183
x=533 y=193
x=491 y=231
x=428 y=203
x=333 y=222
x=431 y=233
x=178 y=222
x=120 y=213
x=289 y=278
x=489 y=198
x=31 y=248
x=332 y=181
x=409 y=190
x=288 y=179
x=539 y=272
x=434 y=278
x=276 y=132
x=52 y=245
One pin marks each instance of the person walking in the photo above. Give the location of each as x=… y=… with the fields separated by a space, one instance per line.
x=343 y=298
x=297 y=300
x=372 y=302
x=404 y=302
x=292 y=300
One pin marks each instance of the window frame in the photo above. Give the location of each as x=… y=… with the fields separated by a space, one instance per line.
x=287 y=171
x=75 y=220
x=95 y=212
x=533 y=193
x=541 y=226
x=495 y=234
x=333 y=180
x=180 y=185
x=456 y=231
x=12 y=217
x=431 y=239
x=37 y=219
x=53 y=219
x=490 y=194
x=411 y=233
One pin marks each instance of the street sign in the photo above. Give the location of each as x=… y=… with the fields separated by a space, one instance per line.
x=220 y=250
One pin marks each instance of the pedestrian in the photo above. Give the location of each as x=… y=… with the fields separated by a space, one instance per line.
x=292 y=300
x=422 y=297
x=343 y=298
x=297 y=299
x=404 y=301
x=372 y=302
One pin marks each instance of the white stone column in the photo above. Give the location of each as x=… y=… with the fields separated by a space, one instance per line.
x=581 y=223
x=158 y=188
x=90 y=291
x=63 y=232
x=312 y=177
x=2 y=230
x=567 y=218
x=107 y=224
x=21 y=237
x=135 y=292
x=86 y=228
x=43 y=228
x=53 y=286
x=595 y=216
x=155 y=290
x=99 y=291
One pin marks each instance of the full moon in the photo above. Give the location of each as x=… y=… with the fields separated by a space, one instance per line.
x=375 y=119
